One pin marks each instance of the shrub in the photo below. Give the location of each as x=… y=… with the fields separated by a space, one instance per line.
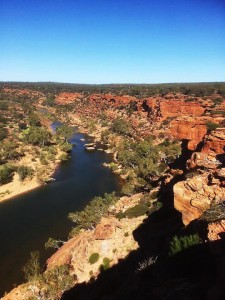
x=6 y=173
x=3 y=133
x=66 y=147
x=133 y=212
x=211 y=126
x=215 y=213
x=36 y=136
x=22 y=126
x=64 y=156
x=43 y=159
x=93 y=258
x=121 y=126
x=24 y=172
x=32 y=268
x=178 y=244
x=105 y=265
x=91 y=215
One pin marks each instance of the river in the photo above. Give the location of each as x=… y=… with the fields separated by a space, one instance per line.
x=28 y=220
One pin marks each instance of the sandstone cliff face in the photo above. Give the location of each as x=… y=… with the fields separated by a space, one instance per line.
x=201 y=159
x=193 y=196
x=111 y=99
x=215 y=141
x=192 y=130
x=172 y=108
x=67 y=98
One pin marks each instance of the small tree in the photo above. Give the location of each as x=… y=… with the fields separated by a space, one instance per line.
x=64 y=132
x=121 y=126
x=93 y=258
x=211 y=126
x=32 y=268
x=6 y=173
x=24 y=172
x=52 y=243
x=36 y=136
x=178 y=244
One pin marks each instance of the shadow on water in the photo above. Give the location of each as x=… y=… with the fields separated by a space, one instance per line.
x=27 y=221
x=196 y=273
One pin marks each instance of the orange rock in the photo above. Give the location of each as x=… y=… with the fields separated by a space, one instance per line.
x=192 y=130
x=173 y=108
x=199 y=159
x=214 y=230
x=215 y=142
x=67 y=98
x=193 y=196
x=105 y=229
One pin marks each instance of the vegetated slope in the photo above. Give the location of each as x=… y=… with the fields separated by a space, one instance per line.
x=27 y=144
x=169 y=148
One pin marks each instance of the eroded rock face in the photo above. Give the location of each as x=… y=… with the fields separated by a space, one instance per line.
x=111 y=99
x=193 y=196
x=215 y=141
x=199 y=159
x=67 y=98
x=191 y=129
x=173 y=108
x=215 y=229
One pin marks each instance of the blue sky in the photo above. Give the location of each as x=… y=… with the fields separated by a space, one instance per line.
x=120 y=41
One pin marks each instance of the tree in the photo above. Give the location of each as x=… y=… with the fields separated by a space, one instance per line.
x=34 y=119
x=32 y=268
x=64 y=132
x=3 y=133
x=24 y=172
x=8 y=149
x=92 y=213
x=52 y=243
x=6 y=173
x=36 y=136
x=121 y=126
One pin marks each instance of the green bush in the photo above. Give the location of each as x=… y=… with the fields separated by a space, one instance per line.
x=92 y=213
x=36 y=136
x=93 y=258
x=24 y=172
x=218 y=112
x=43 y=158
x=133 y=212
x=6 y=173
x=66 y=147
x=178 y=244
x=121 y=126
x=215 y=213
x=211 y=126
x=63 y=157
x=3 y=133
x=105 y=265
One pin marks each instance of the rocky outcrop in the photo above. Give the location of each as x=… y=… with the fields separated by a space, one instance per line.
x=215 y=229
x=67 y=98
x=173 y=108
x=111 y=99
x=111 y=238
x=215 y=142
x=193 y=196
x=192 y=130
x=202 y=160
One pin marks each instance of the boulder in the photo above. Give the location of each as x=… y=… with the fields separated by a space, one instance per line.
x=193 y=196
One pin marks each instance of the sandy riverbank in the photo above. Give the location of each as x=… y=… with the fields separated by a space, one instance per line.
x=17 y=187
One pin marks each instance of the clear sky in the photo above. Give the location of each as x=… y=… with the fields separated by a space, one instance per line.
x=118 y=41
